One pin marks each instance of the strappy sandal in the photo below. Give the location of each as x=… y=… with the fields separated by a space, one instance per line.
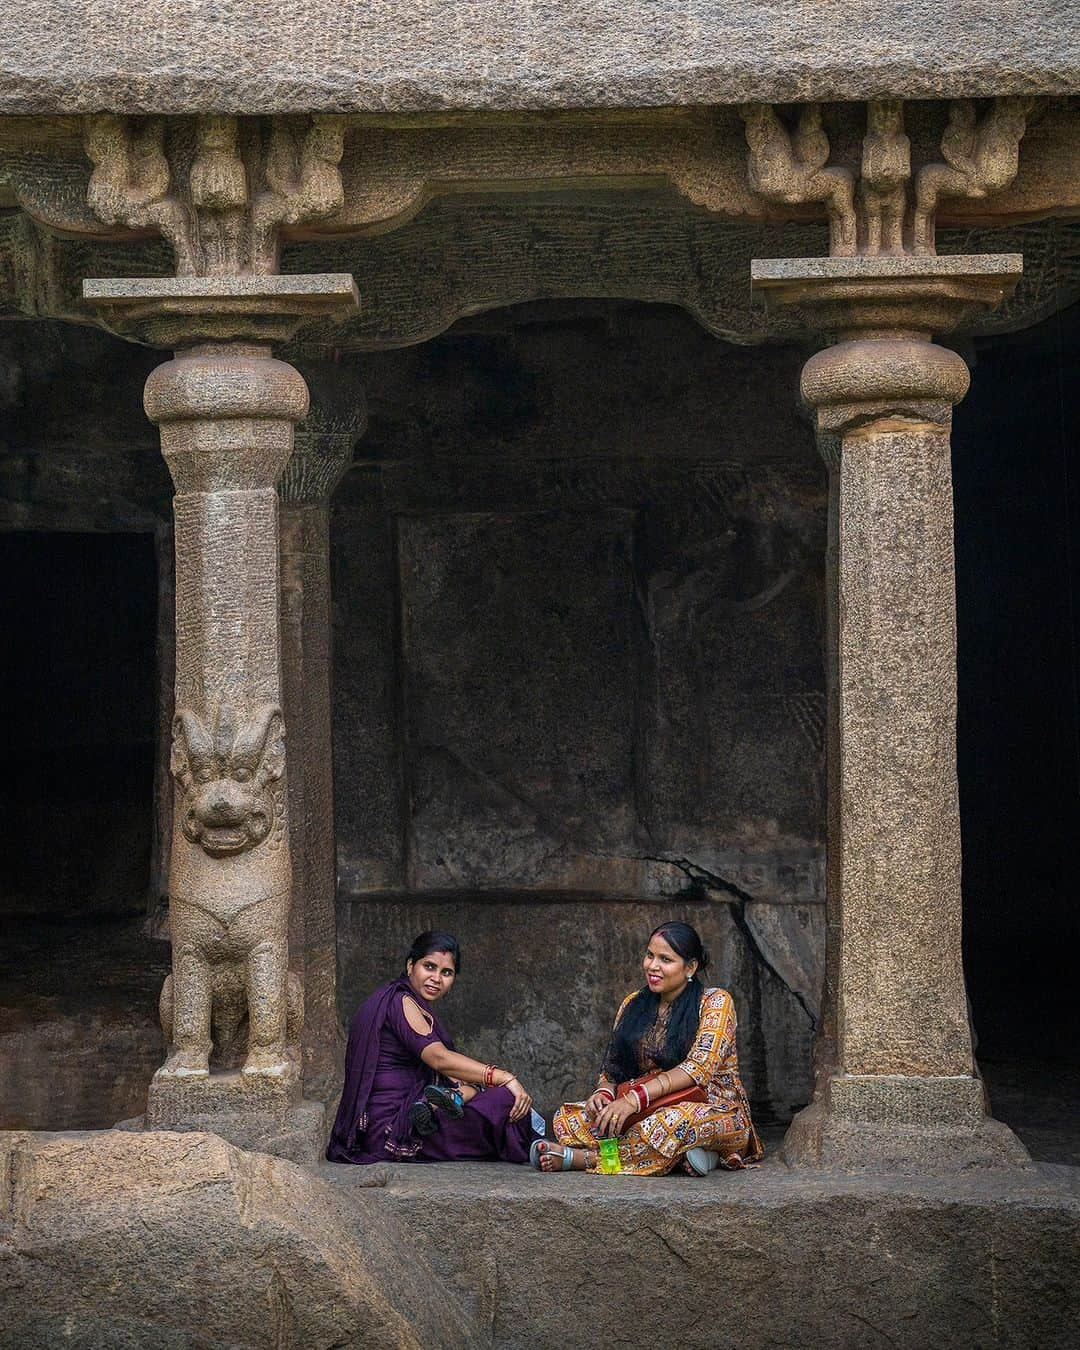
x=539 y=1147
x=446 y=1100
x=422 y=1120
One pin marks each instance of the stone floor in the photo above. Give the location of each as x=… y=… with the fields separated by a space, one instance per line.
x=762 y=1258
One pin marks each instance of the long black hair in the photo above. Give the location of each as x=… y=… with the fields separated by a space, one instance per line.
x=434 y=941
x=621 y=1060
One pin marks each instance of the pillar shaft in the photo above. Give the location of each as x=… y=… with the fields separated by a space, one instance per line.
x=226 y=415
x=226 y=410
x=897 y=1087
x=900 y=835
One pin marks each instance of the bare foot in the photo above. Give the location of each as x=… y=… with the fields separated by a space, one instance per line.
x=186 y=1064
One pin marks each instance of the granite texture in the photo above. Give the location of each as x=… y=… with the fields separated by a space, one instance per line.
x=757 y=1259
x=119 y=1239
x=426 y=55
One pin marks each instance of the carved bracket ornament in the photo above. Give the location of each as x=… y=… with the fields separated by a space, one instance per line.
x=227 y=773
x=220 y=200
x=877 y=214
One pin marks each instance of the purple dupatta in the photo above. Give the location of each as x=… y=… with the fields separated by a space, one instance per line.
x=361 y=1062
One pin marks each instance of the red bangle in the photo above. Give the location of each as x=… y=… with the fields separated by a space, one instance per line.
x=607 y=1093
x=489 y=1076
x=641 y=1095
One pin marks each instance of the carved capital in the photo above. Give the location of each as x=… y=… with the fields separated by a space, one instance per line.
x=873 y=381
x=886 y=297
x=790 y=165
x=180 y=312
x=226 y=416
x=884 y=311
x=221 y=207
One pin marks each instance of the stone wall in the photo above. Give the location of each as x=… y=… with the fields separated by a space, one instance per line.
x=578 y=680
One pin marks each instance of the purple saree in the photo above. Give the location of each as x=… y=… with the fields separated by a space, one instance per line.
x=384 y=1075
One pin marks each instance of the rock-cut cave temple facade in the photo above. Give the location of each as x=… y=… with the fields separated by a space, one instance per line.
x=492 y=468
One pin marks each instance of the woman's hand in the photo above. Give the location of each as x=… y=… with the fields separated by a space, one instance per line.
x=596 y=1103
x=612 y=1119
x=522 y=1099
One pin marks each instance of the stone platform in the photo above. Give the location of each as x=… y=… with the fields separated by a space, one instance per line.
x=159 y=1239
x=114 y=1239
x=763 y=1258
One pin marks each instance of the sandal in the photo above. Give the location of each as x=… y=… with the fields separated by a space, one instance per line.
x=422 y=1120
x=445 y=1099
x=701 y=1161
x=539 y=1147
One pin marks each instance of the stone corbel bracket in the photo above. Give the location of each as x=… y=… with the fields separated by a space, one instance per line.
x=296 y=176
x=877 y=214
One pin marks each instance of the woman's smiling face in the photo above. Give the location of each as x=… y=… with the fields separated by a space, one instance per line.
x=432 y=975
x=665 y=971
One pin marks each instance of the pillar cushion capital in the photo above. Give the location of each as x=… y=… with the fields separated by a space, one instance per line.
x=223 y=383
x=882 y=377
x=226 y=416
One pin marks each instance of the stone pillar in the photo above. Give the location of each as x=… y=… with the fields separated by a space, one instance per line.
x=897 y=1084
x=323 y=451
x=226 y=410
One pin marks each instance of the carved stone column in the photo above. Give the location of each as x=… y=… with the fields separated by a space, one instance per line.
x=226 y=410
x=323 y=451
x=897 y=1084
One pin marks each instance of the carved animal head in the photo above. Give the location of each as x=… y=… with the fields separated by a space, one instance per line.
x=227 y=774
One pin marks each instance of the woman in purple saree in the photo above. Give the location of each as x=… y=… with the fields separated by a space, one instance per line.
x=408 y=1095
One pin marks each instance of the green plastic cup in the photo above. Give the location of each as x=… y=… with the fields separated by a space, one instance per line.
x=610 y=1161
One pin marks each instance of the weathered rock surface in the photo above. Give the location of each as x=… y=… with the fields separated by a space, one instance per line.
x=756 y=1260
x=575 y=53
x=127 y=1240
x=113 y=1240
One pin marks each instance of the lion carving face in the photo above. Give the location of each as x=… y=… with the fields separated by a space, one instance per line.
x=227 y=775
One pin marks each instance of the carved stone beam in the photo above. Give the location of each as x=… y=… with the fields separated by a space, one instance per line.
x=226 y=410
x=896 y=1084
x=324 y=444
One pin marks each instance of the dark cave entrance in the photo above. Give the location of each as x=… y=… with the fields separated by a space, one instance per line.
x=79 y=693
x=1017 y=554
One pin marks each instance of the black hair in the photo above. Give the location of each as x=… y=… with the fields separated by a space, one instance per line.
x=621 y=1060
x=434 y=941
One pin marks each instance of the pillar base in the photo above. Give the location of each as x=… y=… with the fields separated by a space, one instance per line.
x=262 y=1115
x=890 y=1123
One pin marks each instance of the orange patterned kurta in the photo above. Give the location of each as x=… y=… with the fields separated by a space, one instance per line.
x=656 y=1143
